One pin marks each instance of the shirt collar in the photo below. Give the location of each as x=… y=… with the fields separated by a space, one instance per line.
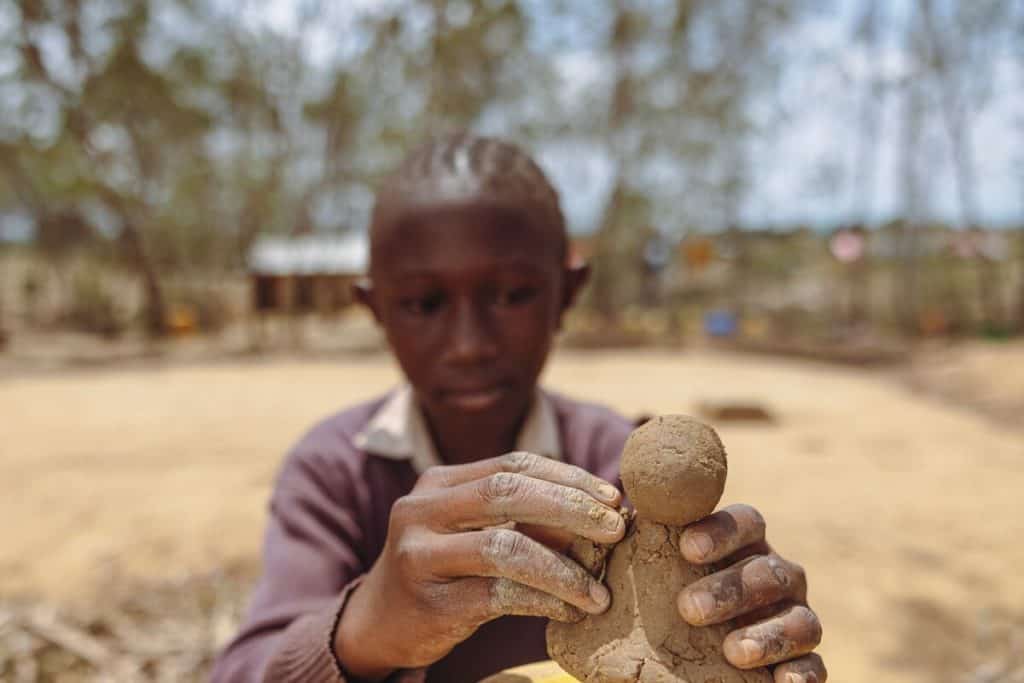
x=398 y=431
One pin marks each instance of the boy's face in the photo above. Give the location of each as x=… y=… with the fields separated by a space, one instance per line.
x=470 y=298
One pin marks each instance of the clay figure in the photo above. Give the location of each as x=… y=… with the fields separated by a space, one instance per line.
x=673 y=470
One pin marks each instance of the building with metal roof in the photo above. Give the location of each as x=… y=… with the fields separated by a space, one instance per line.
x=310 y=255
x=306 y=274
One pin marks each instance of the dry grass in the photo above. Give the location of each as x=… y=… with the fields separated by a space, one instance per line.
x=140 y=631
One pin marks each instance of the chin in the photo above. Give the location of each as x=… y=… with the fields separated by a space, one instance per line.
x=490 y=408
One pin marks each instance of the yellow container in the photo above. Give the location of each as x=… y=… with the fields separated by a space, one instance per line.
x=541 y=672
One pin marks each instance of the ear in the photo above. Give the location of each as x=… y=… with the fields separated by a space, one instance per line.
x=574 y=278
x=363 y=292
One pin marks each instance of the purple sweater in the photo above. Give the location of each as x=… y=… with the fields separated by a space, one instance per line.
x=328 y=520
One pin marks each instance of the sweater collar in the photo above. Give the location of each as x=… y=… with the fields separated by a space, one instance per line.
x=398 y=431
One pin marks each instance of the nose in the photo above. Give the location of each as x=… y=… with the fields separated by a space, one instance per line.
x=472 y=337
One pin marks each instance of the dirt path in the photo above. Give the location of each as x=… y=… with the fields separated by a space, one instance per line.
x=905 y=511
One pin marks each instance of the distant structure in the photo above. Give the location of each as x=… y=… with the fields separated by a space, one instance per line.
x=308 y=274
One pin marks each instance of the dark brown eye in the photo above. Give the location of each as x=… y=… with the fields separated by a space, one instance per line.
x=515 y=296
x=422 y=305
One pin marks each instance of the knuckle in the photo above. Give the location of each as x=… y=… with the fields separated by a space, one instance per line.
x=799 y=575
x=402 y=511
x=502 y=544
x=408 y=555
x=434 y=477
x=431 y=597
x=779 y=570
x=728 y=590
x=747 y=516
x=810 y=663
x=757 y=519
x=789 y=578
x=577 y=581
x=518 y=461
x=502 y=486
x=577 y=477
x=498 y=600
x=737 y=509
x=810 y=624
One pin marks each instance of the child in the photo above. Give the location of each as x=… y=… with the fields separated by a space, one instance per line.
x=415 y=537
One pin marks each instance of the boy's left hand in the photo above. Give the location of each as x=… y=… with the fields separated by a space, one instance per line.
x=764 y=593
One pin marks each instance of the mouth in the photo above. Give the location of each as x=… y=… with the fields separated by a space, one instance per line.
x=475 y=399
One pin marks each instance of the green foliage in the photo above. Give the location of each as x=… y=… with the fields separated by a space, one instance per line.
x=195 y=130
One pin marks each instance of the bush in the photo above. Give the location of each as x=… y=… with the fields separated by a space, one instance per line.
x=92 y=307
x=206 y=305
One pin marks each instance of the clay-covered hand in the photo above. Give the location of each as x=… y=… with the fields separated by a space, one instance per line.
x=445 y=569
x=764 y=593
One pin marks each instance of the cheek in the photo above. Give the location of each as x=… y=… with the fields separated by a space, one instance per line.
x=529 y=331
x=415 y=346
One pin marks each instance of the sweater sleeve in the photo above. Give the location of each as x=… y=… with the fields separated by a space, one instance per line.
x=320 y=541
x=311 y=564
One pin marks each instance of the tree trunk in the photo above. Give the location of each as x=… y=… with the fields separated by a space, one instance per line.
x=605 y=278
x=872 y=103
x=1020 y=292
x=956 y=117
x=156 y=307
x=906 y=294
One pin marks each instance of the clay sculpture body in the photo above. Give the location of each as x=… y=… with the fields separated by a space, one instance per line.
x=673 y=469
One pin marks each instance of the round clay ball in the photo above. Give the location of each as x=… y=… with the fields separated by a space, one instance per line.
x=673 y=469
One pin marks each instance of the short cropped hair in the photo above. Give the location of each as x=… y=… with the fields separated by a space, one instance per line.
x=466 y=169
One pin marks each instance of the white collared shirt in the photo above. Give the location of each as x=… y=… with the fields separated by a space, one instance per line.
x=398 y=431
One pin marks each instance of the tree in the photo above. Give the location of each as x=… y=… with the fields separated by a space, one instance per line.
x=961 y=42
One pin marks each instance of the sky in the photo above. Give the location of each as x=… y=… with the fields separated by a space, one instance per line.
x=820 y=133
x=802 y=172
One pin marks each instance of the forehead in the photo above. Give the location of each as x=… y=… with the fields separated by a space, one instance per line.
x=463 y=238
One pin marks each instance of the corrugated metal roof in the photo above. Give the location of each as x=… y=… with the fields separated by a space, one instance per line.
x=313 y=255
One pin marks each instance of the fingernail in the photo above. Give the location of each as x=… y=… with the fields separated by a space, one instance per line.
x=613 y=521
x=701 y=605
x=600 y=595
x=608 y=492
x=748 y=651
x=698 y=545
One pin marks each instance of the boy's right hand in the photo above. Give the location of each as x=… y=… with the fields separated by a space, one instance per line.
x=445 y=568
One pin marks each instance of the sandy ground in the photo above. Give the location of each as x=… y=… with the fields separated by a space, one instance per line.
x=905 y=510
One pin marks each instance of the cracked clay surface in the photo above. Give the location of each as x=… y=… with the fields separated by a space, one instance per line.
x=642 y=638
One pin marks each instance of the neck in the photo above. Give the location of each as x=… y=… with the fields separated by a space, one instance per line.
x=457 y=445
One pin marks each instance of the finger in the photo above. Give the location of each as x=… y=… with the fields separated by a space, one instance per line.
x=790 y=634
x=504 y=553
x=809 y=669
x=763 y=613
x=744 y=587
x=556 y=539
x=501 y=597
x=722 y=534
x=507 y=497
x=529 y=464
x=758 y=548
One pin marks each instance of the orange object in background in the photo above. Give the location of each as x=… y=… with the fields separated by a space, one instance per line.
x=182 y=320
x=698 y=252
x=933 y=322
x=755 y=327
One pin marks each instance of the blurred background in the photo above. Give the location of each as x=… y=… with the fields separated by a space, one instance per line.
x=805 y=218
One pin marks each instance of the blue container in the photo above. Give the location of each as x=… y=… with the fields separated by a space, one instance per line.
x=720 y=323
